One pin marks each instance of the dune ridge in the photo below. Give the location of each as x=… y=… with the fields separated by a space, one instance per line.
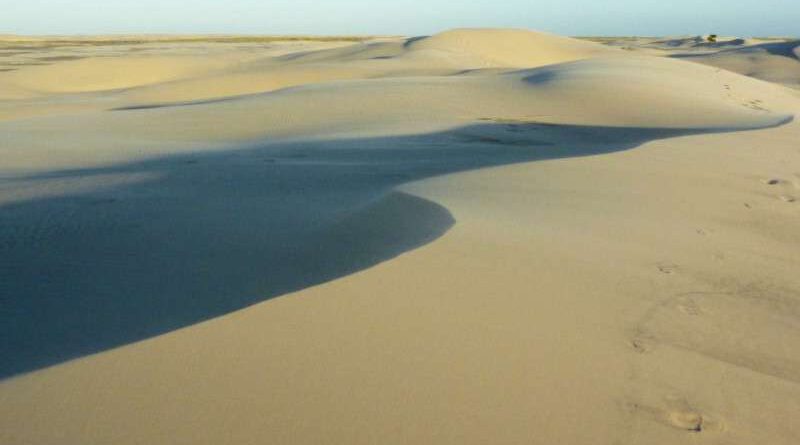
x=480 y=236
x=777 y=62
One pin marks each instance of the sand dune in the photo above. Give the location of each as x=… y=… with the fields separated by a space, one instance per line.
x=623 y=87
x=774 y=60
x=703 y=42
x=110 y=73
x=480 y=236
x=777 y=62
x=505 y=47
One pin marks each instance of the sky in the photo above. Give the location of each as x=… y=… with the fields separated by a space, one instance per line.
x=401 y=17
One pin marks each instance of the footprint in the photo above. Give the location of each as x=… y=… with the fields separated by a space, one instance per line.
x=755 y=105
x=667 y=268
x=681 y=414
x=686 y=420
x=678 y=413
x=751 y=328
x=641 y=345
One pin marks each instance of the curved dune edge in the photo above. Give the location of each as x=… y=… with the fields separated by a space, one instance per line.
x=228 y=229
x=601 y=91
x=187 y=280
x=599 y=294
x=509 y=309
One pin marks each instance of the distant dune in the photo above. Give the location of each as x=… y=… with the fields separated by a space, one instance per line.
x=507 y=47
x=484 y=236
x=777 y=62
x=770 y=59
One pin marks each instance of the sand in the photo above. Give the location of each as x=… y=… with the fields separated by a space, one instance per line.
x=770 y=59
x=483 y=236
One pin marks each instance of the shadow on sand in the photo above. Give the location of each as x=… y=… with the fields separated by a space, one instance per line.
x=208 y=234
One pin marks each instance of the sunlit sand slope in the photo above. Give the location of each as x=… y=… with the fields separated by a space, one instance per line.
x=481 y=236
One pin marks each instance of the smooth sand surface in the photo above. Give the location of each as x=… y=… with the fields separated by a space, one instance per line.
x=482 y=236
x=770 y=59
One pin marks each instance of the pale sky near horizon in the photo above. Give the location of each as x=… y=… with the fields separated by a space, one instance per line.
x=401 y=17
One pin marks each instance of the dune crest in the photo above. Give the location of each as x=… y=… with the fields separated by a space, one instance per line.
x=478 y=237
x=507 y=47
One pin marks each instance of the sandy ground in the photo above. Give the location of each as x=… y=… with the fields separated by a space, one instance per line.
x=482 y=236
x=771 y=59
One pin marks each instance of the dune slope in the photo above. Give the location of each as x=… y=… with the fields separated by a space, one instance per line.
x=777 y=62
x=482 y=236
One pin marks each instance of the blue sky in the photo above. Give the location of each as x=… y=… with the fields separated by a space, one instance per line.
x=406 y=17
